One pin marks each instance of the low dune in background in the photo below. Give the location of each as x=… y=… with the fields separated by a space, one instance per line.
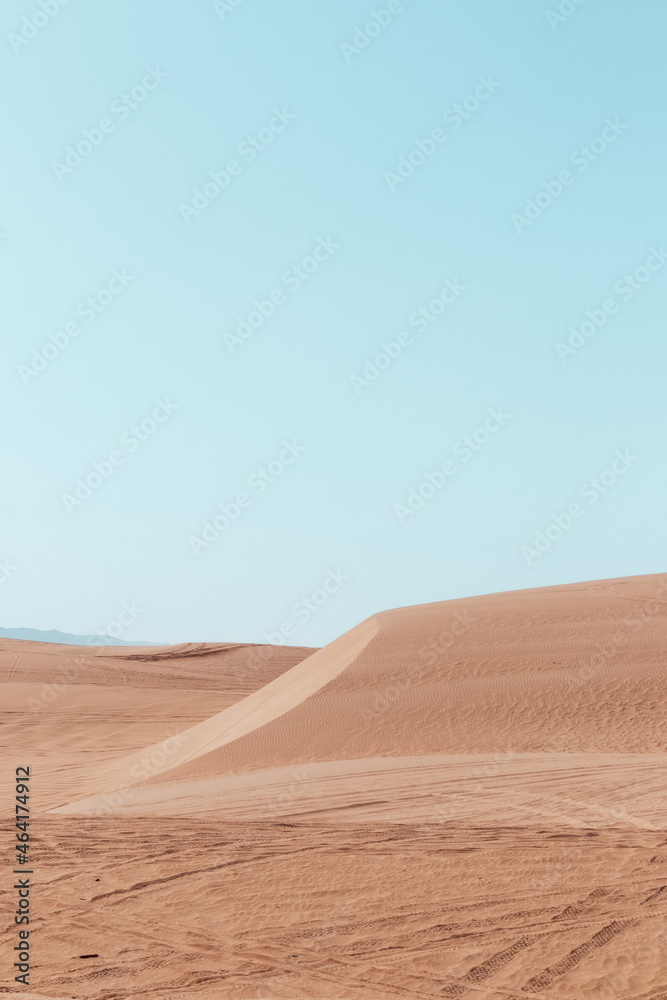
x=462 y=799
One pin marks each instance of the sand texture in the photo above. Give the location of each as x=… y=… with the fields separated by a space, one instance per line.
x=465 y=799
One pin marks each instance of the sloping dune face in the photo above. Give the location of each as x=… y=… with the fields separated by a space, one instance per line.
x=67 y=708
x=463 y=800
x=249 y=715
x=574 y=668
x=434 y=711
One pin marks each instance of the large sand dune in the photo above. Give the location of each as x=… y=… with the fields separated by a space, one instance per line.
x=561 y=671
x=464 y=799
x=71 y=708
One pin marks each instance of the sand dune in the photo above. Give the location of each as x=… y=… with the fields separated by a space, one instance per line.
x=559 y=669
x=247 y=715
x=65 y=708
x=231 y=668
x=566 y=669
x=465 y=799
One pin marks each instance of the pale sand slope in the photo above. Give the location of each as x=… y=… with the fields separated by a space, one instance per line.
x=77 y=706
x=534 y=741
x=544 y=705
x=258 y=709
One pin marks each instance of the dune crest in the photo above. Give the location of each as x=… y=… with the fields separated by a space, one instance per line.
x=256 y=710
x=464 y=799
x=556 y=691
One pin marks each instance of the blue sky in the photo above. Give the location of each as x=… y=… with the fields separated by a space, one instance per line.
x=530 y=142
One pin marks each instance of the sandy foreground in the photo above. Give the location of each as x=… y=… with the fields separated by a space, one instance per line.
x=465 y=799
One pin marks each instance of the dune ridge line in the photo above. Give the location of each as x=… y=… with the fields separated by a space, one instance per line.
x=256 y=710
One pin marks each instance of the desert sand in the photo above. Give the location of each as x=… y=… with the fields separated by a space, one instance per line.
x=465 y=799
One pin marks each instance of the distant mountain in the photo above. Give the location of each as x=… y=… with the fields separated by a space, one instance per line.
x=35 y=635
